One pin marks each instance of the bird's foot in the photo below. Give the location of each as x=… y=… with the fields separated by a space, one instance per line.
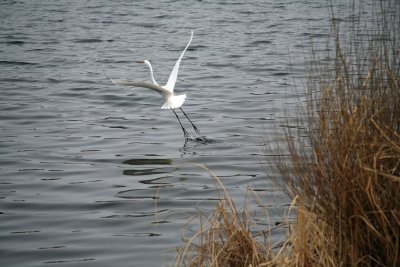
x=197 y=130
x=186 y=134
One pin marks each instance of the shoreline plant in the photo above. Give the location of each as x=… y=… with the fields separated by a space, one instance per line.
x=343 y=169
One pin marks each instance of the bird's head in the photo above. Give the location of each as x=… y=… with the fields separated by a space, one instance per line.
x=141 y=61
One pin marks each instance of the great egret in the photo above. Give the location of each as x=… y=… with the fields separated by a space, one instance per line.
x=172 y=101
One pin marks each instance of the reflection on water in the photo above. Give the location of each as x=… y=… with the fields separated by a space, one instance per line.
x=146 y=171
x=163 y=181
x=135 y=194
x=144 y=163
x=148 y=161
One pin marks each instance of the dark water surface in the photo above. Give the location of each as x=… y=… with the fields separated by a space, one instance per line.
x=94 y=174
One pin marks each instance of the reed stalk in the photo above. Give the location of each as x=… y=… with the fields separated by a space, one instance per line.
x=343 y=172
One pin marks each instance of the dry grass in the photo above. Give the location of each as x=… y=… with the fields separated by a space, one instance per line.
x=346 y=174
x=343 y=174
x=224 y=238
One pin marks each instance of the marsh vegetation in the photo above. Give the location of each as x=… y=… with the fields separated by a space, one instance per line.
x=343 y=168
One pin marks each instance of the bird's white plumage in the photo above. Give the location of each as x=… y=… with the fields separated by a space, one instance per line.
x=172 y=101
x=174 y=74
x=144 y=84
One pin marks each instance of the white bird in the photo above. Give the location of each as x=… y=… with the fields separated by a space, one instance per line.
x=172 y=101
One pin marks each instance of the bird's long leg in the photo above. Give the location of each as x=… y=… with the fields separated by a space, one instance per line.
x=185 y=133
x=194 y=126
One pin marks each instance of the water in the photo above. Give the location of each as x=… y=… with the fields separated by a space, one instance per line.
x=94 y=174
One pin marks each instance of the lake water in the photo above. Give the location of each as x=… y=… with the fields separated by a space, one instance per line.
x=94 y=174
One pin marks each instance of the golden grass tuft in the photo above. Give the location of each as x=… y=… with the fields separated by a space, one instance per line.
x=343 y=172
x=346 y=173
x=224 y=238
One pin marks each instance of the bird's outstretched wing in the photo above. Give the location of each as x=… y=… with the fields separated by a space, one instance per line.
x=174 y=74
x=144 y=84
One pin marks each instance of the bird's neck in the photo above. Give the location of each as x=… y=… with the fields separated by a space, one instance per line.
x=152 y=77
x=151 y=73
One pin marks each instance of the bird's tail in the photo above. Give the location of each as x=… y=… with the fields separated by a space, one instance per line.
x=174 y=101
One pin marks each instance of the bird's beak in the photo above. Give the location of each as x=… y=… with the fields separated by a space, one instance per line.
x=139 y=61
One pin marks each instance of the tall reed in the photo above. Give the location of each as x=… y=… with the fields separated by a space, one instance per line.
x=346 y=172
x=343 y=172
